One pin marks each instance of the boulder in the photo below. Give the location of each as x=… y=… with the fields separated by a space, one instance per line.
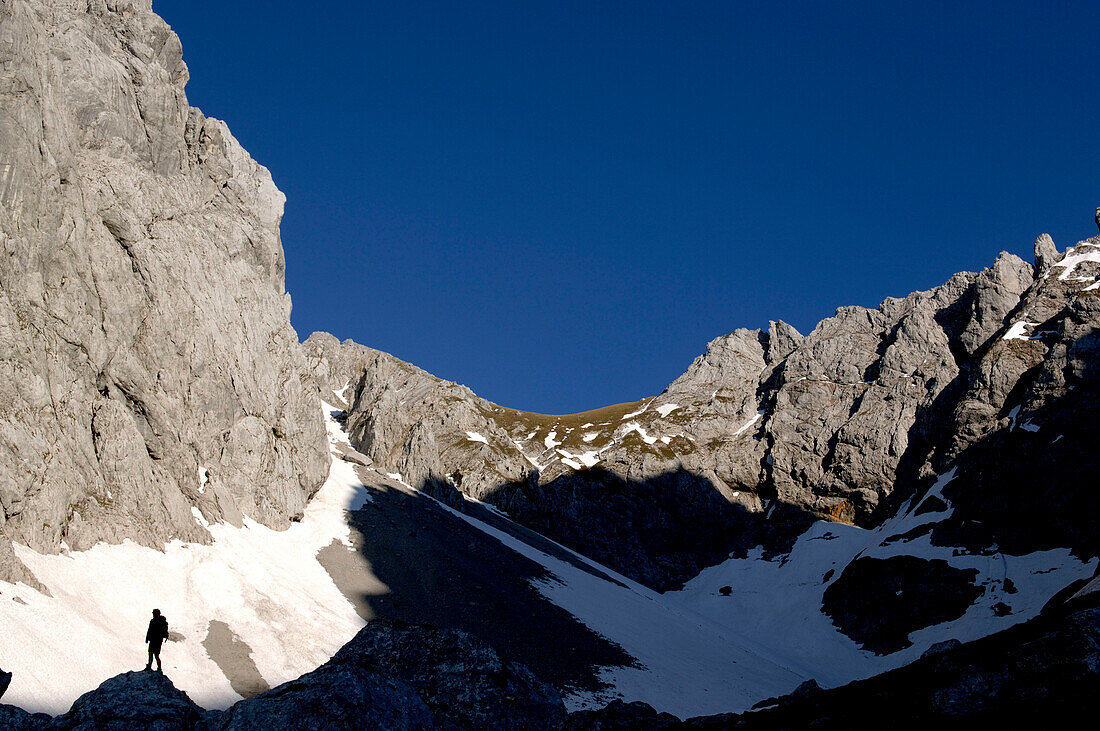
x=133 y=701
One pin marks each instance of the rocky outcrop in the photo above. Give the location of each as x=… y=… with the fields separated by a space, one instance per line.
x=461 y=679
x=148 y=368
x=768 y=430
x=16 y=719
x=620 y=715
x=330 y=698
x=402 y=676
x=878 y=602
x=129 y=702
x=336 y=365
x=13 y=570
x=853 y=407
x=391 y=675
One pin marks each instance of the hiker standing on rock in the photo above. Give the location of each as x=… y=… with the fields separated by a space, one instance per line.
x=155 y=635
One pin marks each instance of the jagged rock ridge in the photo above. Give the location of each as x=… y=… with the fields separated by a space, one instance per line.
x=775 y=429
x=148 y=368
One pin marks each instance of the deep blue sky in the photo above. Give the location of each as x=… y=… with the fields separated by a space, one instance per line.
x=559 y=203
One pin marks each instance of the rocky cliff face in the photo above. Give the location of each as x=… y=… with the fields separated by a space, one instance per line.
x=1022 y=429
x=147 y=363
x=770 y=429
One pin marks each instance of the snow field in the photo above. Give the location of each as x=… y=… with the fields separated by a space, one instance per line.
x=266 y=585
x=779 y=601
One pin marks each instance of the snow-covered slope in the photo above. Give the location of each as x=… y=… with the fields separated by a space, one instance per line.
x=701 y=651
x=779 y=601
x=695 y=651
x=265 y=585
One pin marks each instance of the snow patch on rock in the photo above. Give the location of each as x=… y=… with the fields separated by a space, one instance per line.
x=635 y=426
x=1081 y=253
x=1019 y=330
x=748 y=424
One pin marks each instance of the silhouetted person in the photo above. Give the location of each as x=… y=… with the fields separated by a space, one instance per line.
x=5 y=680
x=155 y=635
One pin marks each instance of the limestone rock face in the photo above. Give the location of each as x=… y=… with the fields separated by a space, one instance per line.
x=765 y=429
x=337 y=365
x=147 y=364
x=1046 y=253
x=413 y=423
x=1022 y=432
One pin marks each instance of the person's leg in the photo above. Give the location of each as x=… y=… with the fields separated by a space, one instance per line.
x=157 y=656
x=149 y=665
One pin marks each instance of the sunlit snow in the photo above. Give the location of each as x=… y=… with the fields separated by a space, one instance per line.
x=1081 y=254
x=266 y=585
x=576 y=461
x=781 y=599
x=745 y=427
x=527 y=457
x=632 y=414
x=635 y=426
x=1018 y=331
x=340 y=393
